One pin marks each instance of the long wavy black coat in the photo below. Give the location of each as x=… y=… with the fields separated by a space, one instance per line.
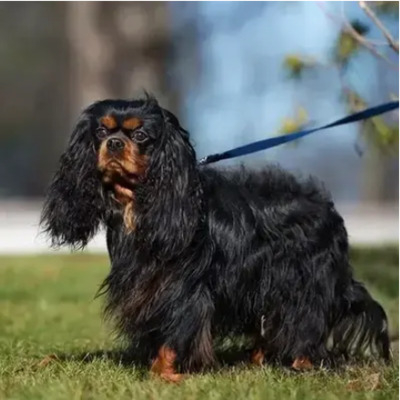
x=214 y=252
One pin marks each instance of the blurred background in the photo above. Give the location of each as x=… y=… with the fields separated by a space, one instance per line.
x=234 y=72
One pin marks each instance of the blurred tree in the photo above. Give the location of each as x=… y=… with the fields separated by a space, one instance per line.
x=114 y=52
x=295 y=123
x=34 y=81
x=58 y=57
x=381 y=134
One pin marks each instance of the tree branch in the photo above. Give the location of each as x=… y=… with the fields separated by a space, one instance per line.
x=392 y=42
x=356 y=36
x=366 y=43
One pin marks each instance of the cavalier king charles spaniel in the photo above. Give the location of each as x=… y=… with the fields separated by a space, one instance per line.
x=199 y=252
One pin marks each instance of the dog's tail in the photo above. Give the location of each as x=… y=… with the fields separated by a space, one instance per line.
x=362 y=326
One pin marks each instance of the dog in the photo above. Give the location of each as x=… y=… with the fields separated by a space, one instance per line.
x=199 y=252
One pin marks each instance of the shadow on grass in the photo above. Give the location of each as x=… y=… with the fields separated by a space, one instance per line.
x=226 y=357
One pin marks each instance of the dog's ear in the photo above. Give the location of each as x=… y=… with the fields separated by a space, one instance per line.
x=74 y=207
x=172 y=207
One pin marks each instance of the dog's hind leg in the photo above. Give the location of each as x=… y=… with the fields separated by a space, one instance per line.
x=307 y=340
x=258 y=354
x=302 y=364
x=296 y=336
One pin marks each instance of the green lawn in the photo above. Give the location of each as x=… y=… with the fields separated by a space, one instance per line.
x=47 y=307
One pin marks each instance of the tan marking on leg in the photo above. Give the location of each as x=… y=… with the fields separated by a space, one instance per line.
x=257 y=357
x=163 y=365
x=302 y=364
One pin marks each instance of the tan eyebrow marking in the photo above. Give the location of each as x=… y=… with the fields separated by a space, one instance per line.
x=109 y=122
x=132 y=123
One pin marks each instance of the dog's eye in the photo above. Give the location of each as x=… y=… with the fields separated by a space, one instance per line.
x=139 y=136
x=101 y=132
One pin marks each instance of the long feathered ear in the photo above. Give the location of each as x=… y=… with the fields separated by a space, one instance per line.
x=74 y=207
x=171 y=202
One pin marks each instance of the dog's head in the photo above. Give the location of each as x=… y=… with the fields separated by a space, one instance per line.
x=131 y=156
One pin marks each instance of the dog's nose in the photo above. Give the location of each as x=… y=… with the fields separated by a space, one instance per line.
x=115 y=144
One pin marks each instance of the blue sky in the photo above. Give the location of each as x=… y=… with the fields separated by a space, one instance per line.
x=242 y=92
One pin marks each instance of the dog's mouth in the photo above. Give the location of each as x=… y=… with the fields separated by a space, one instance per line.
x=119 y=181
x=121 y=171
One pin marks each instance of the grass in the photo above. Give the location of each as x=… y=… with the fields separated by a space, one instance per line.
x=47 y=307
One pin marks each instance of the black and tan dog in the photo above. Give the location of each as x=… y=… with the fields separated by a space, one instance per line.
x=199 y=252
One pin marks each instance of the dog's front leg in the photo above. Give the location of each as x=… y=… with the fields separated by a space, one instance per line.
x=164 y=365
x=189 y=343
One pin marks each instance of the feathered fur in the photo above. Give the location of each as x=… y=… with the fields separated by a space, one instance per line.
x=215 y=252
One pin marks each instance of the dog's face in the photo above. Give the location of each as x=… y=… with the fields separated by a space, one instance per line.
x=136 y=154
x=125 y=138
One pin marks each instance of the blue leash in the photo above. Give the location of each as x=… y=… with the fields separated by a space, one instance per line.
x=276 y=141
